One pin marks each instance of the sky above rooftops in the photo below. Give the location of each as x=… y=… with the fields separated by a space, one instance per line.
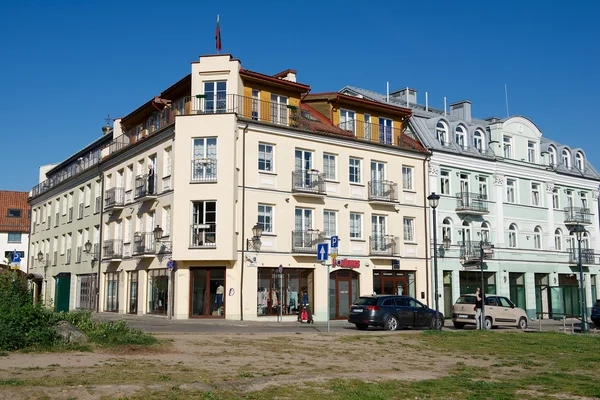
x=68 y=64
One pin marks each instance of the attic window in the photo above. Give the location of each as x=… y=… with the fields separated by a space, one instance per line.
x=579 y=163
x=14 y=212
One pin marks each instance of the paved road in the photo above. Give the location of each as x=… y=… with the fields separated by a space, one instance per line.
x=158 y=324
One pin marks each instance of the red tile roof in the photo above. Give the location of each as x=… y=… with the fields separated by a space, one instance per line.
x=14 y=200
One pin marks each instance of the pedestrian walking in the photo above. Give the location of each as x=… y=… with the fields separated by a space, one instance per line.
x=478 y=307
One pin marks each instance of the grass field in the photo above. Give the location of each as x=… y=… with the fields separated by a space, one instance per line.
x=374 y=365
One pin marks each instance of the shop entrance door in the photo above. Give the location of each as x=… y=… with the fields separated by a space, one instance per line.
x=343 y=290
x=62 y=290
x=207 y=287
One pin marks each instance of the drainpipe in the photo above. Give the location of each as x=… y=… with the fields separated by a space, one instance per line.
x=243 y=222
x=425 y=208
x=99 y=262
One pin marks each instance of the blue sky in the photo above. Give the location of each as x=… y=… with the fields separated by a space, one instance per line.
x=65 y=65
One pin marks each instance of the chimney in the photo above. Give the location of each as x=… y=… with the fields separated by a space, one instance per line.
x=406 y=95
x=461 y=110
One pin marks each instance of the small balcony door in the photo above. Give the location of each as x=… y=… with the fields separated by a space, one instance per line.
x=279 y=111
x=377 y=178
x=303 y=162
x=215 y=97
x=385 y=130
x=378 y=232
x=303 y=221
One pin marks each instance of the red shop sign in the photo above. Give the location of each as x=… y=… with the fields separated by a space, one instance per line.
x=345 y=263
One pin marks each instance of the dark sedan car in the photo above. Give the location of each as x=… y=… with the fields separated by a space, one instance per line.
x=392 y=312
x=596 y=313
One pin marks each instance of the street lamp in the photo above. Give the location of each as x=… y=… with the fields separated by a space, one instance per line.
x=158 y=233
x=40 y=256
x=434 y=201
x=255 y=242
x=578 y=230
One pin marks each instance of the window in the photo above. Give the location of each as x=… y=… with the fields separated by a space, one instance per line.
x=464 y=183
x=368 y=133
x=579 y=161
x=485 y=232
x=459 y=136
x=204 y=224
x=279 y=110
x=531 y=152
x=510 y=191
x=555 y=199
x=166 y=221
x=355 y=226
x=466 y=231
x=88 y=195
x=507 y=140
x=204 y=159
x=482 y=181
x=558 y=239
x=445 y=182
x=552 y=155
x=385 y=130
x=441 y=132
x=407 y=178
x=566 y=158
x=276 y=289
x=512 y=235
x=167 y=162
x=14 y=237
x=265 y=157
x=409 y=229
x=255 y=104
x=329 y=223
x=329 y=166
x=215 y=97
x=569 y=198
x=478 y=141
x=535 y=194
x=537 y=238
x=14 y=212
x=355 y=171
x=347 y=118
x=584 y=202
x=447 y=229
x=265 y=217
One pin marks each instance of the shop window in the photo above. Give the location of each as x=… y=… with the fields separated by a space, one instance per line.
x=283 y=290
x=158 y=284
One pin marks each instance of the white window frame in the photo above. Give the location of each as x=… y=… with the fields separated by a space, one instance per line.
x=441 y=132
x=353 y=234
x=329 y=222
x=255 y=104
x=266 y=211
x=459 y=135
x=537 y=238
x=166 y=221
x=565 y=157
x=531 y=151
x=167 y=162
x=407 y=177
x=511 y=189
x=535 y=189
x=482 y=186
x=408 y=227
x=478 y=141
x=558 y=239
x=445 y=181
x=348 y=120
x=330 y=166
x=580 y=161
x=555 y=199
x=583 y=199
x=513 y=236
x=263 y=153
x=447 y=229
x=507 y=145
x=358 y=173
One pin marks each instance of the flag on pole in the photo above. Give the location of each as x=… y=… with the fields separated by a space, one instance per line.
x=218 y=35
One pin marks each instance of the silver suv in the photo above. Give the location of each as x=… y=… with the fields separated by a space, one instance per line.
x=499 y=310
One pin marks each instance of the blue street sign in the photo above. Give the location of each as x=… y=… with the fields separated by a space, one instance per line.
x=334 y=242
x=322 y=251
x=170 y=265
x=16 y=257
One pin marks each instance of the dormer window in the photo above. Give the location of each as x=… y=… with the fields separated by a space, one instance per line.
x=441 y=133
x=459 y=136
x=579 y=161
x=478 y=141
x=566 y=158
x=552 y=155
x=531 y=152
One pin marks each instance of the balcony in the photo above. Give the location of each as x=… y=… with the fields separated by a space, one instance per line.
x=203 y=236
x=165 y=247
x=145 y=187
x=383 y=245
x=471 y=203
x=204 y=170
x=144 y=244
x=371 y=132
x=383 y=192
x=306 y=241
x=587 y=256
x=577 y=215
x=112 y=249
x=113 y=199
x=308 y=182
x=470 y=251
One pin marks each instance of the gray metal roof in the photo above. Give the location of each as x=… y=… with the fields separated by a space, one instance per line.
x=423 y=123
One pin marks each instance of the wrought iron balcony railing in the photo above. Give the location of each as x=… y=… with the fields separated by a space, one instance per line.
x=203 y=235
x=383 y=245
x=476 y=203
x=383 y=191
x=577 y=215
x=165 y=247
x=113 y=198
x=470 y=251
x=587 y=256
x=305 y=241
x=204 y=170
x=112 y=249
x=143 y=243
x=145 y=186
x=308 y=181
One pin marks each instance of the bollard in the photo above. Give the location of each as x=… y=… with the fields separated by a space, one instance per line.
x=564 y=324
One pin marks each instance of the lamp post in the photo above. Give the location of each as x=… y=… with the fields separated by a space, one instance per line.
x=578 y=230
x=434 y=200
x=255 y=242
x=40 y=258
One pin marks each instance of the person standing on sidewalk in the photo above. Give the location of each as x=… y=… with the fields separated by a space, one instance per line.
x=478 y=306
x=306 y=306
